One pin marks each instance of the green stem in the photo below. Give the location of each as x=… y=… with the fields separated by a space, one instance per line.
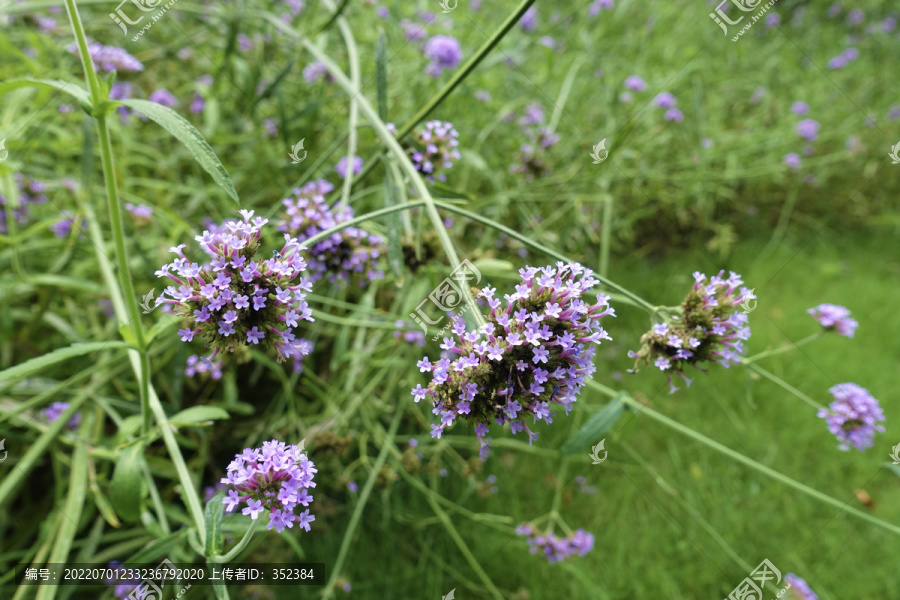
x=813 y=493
x=328 y=592
x=782 y=383
x=785 y=348
x=86 y=62
x=606 y=235
x=231 y=554
x=353 y=57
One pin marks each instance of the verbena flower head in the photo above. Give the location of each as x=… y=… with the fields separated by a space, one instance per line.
x=55 y=410
x=349 y=254
x=275 y=478
x=530 y=160
x=711 y=328
x=633 y=82
x=853 y=417
x=110 y=58
x=531 y=355
x=528 y=21
x=316 y=71
x=799 y=589
x=792 y=159
x=341 y=167
x=800 y=108
x=808 y=129
x=444 y=52
x=31 y=192
x=664 y=100
x=674 y=114
x=164 y=97
x=408 y=334
x=141 y=213
x=557 y=548
x=433 y=149
x=834 y=317
x=196 y=365
x=237 y=299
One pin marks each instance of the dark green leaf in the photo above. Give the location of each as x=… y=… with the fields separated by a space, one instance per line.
x=126 y=490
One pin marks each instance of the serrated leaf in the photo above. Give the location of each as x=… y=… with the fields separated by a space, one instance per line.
x=126 y=490
x=51 y=358
x=212 y=517
x=198 y=414
x=188 y=135
x=597 y=425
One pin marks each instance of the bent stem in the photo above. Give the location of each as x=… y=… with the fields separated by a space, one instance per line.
x=813 y=493
x=231 y=554
x=782 y=383
x=781 y=350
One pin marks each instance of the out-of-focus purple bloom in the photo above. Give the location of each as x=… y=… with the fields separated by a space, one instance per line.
x=792 y=160
x=316 y=71
x=341 y=166
x=707 y=143
x=808 y=129
x=625 y=97
x=295 y=6
x=599 y=5
x=414 y=32
x=838 y=62
x=853 y=417
x=894 y=113
x=110 y=58
x=197 y=104
x=799 y=590
x=66 y=108
x=674 y=114
x=164 y=97
x=547 y=41
x=434 y=150
x=244 y=42
x=276 y=477
x=46 y=24
x=800 y=108
x=555 y=548
x=271 y=127
x=633 y=82
x=206 y=79
x=383 y=12
x=534 y=114
x=483 y=96
x=351 y=253
x=195 y=365
x=62 y=227
x=664 y=100
x=444 y=52
x=773 y=20
x=855 y=17
x=31 y=192
x=834 y=10
x=529 y=20
x=524 y=361
x=711 y=329
x=834 y=317
x=889 y=24
x=141 y=213
x=408 y=334
x=55 y=410
x=351 y=485
x=758 y=94
x=850 y=54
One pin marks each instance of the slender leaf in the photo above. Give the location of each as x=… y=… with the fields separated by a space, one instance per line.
x=198 y=414
x=596 y=426
x=213 y=514
x=51 y=358
x=188 y=135
x=127 y=485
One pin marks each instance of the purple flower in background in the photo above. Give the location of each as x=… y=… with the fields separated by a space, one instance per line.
x=853 y=417
x=434 y=150
x=341 y=167
x=142 y=213
x=834 y=317
x=197 y=104
x=534 y=114
x=838 y=62
x=62 y=227
x=808 y=129
x=110 y=58
x=276 y=477
x=529 y=19
x=555 y=548
x=55 y=410
x=383 y=12
x=834 y=10
x=625 y=97
x=792 y=160
x=633 y=82
x=707 y=143
x=773 y=20
x=711 y=329
x=483 y=96
x=889 y=24
x=195 y=365
x=850 y=54
x=124 y=588
x=855 y=17
x=271 y=127
x=894 y=113
x=664 y=100
x=547 y=41
x=351 y=485
x=799 y=108
x=164 y=97
x=533 y=355
x=121 y=90
x=758 y=94
x=66 y=108
x=414 y=32
x=351 y=253
x=408 y=334
x=444 y=52
x=316 y=71
x=674 y=114
x=213 y=297
x=31 y=192
x=598 y=5
x=800 y=590
x=205 y=80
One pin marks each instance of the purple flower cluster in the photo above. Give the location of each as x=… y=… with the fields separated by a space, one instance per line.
x=528 y=21
x=800 y=590
x=444 y=52
x=164 y=97
x=834 y=317
x=341 y=167
x=234 y=300
x=668 y=101
x=109 y=58
x=276 y=478
x=348 y=253
x=530 y=159
x=530 y=355
x=195 y=365
x=599 y=5
x=633 y=82
x=30 y=193
x=808 y=129
x=557 y=548
x=710 y=328
x=62 y=227
x=141 y=213
x=853 y=417
x=409 y=335
x=55 y=410
x=433 y=148
x=316 y=71
x=843 y=59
